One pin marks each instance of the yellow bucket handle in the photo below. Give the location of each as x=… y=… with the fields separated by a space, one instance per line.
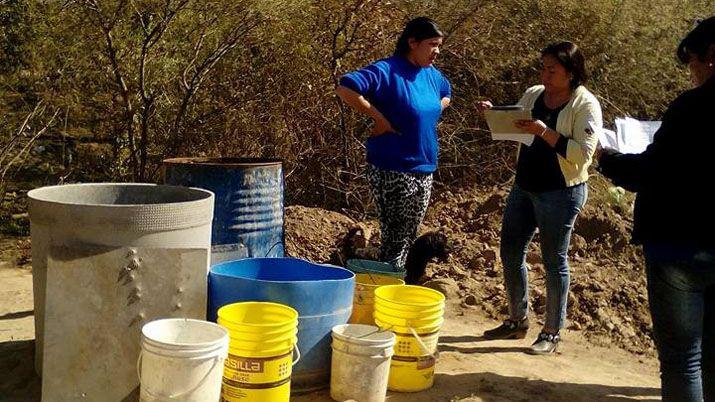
x=192 y=389
x=424 y=348
x=414 y=333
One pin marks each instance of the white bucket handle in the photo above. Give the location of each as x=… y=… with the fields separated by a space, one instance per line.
x=296 y=352
x=192 y=389
x=385 y=353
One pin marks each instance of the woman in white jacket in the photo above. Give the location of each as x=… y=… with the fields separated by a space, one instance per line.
x=549 y=190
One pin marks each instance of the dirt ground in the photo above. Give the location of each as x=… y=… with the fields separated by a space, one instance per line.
x=469 y=368
x=18 y=381
x=606 y=354
x=607 y=300
x=472 y=369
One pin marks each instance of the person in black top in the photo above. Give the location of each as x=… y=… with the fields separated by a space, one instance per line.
x=549 y=190
x=674 y=220
x=538 y=167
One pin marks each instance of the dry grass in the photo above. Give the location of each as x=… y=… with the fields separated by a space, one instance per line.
x=271 y=94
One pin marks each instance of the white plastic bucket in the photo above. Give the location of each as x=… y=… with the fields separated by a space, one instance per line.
x=182 y=360
x=361 y=363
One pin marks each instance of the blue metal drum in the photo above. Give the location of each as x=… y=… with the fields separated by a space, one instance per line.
x=248 y=210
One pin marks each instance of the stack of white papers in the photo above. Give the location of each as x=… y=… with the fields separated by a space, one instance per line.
x=631 y=137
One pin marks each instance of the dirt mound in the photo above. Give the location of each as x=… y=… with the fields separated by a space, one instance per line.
x=607 y=301
x=313 y=233
x=604 y=228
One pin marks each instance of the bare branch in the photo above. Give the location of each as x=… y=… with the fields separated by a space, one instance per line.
x=204 y=68
x=27 y=146
x=5 y=153
x=197 y=49
x=141 y=18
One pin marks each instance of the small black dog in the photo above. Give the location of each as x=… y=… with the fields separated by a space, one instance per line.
x=426 y=247
x=354 y=244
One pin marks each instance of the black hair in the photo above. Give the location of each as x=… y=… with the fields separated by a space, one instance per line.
x=698 y=41
x=571 y=58
x=419 y=29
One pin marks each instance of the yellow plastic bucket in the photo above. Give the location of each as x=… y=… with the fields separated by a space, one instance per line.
x=415 y=314
x=364 y=299
x=396 y=310
x=258 y=317
x=428 y=320
x=436 y=326
x=265 y=348
x=409 y=298
x=250 y=334
x=262 y=339
x=413 y=364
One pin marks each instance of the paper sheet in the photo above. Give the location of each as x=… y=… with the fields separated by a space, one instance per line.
x=607 y=139
x=633 y=136
x=501 y=124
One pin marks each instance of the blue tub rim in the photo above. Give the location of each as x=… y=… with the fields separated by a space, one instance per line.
x=359 y=261
x=301 y=260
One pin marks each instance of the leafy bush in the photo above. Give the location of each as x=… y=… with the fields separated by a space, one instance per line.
x=156 y=79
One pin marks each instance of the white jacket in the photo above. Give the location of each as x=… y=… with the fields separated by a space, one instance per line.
x=581 y=120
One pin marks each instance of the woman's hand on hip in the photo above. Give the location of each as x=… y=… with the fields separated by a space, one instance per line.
x=484 y=105
x=382 y=126
x=535 y=127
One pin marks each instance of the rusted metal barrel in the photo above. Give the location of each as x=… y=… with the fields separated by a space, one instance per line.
x=248 y=210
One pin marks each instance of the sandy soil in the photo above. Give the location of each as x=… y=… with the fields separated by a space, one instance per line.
x=469 y=369
x=607 y=300
x=606 y=355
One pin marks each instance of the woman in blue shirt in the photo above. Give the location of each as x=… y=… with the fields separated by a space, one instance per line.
x=405 y=95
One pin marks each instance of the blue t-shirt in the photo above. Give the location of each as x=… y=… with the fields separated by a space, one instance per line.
x=410 y=98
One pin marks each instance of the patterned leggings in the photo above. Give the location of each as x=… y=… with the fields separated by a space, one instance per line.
x=401 y=200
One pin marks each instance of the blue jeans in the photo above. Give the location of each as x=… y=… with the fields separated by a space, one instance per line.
x=681 y=293
x=554 y=214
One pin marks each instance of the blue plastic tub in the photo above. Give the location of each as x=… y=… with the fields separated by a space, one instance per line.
x=322 y=294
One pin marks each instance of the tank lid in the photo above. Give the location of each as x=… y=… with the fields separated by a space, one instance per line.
x=225 y=161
